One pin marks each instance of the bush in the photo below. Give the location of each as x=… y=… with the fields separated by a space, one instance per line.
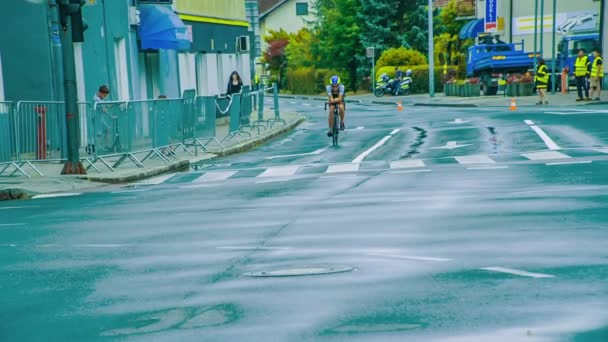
x=302 y=81
x=420 y=76
x=400 y=56
x=323 y=76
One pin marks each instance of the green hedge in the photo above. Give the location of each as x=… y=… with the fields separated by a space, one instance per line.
x=307 y=80
x=420 y=76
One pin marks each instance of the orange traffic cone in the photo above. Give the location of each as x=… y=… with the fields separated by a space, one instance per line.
x=513 y=106
x=399 y=106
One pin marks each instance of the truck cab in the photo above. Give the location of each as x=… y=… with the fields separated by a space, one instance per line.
x=569 y=46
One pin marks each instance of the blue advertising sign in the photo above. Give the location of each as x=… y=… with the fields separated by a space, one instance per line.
x=491 y=21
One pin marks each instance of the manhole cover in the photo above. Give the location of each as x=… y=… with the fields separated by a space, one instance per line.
x=300 y=271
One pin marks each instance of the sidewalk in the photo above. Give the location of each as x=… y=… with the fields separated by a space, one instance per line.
x=19 y=186
x=440 y=100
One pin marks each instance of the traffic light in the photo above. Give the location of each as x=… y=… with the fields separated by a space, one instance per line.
x=73 y=9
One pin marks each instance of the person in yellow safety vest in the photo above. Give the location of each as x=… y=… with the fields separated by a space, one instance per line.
x=542 y=80
x=581 y=72
x=597 y=74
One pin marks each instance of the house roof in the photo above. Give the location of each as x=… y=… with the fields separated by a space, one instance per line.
x=267 y=6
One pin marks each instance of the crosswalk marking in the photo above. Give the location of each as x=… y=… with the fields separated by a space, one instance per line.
x=348 y=167
x=155 y=180
x=406 y=164
x=279 y=171
x=545 y=155
x=214 y=176
x=474 y=159
x=603 y=149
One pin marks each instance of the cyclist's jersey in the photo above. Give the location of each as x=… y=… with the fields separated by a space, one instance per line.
x=330 y=91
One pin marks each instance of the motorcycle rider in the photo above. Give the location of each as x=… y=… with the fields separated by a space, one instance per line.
x=397 y=81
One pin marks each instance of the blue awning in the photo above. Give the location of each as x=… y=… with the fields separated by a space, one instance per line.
x=471 y=29
x=161 y=28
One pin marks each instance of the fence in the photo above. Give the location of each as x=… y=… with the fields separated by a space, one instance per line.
x=112 y=132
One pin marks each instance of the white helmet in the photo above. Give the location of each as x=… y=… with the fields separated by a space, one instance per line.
x=408 y=72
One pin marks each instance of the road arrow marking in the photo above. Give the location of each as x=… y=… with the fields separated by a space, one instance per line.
x=313 y=153
x=449 y=146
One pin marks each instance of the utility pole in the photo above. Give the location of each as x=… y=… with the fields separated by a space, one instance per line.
x=535 y=34
x=542 y=27
x=70 y=18
x=553 y=78
x=431 y=53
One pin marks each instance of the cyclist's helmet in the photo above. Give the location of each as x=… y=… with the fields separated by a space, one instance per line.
x=335 y=80
x=408 y=73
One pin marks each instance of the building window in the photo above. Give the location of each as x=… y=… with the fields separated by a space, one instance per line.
x=302 y=8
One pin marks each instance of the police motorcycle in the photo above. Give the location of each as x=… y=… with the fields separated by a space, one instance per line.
x=385 y=85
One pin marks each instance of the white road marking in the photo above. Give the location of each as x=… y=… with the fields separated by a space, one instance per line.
x=274 y=181
x=155 y=180
x=578 y=111
x=603 y=149
x=406 y=164
x=279 y=171
x=373 y=148
x=488 y=167
x=293 y=102
x=395 y=131
x=529 y=122
x=546 y=139
x=196 y=186
x=347 y=167
x=450 y=145
x=409 y=257
x=458 y=121
x=100 y=245
x=8 y=208
x=130 y=191
x=313 y=153
x=474 y=159
x=545 y=155
x=214 y=176
x=359 y=128
x=569 y=163
x=11 y=224
x=252 y=248
x=305 y=104
x=70 y=194
x=409 y=171
x=517 y=272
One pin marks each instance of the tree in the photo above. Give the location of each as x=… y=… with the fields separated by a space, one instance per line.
x=401 y=57
x=338 y=35
x=275 y=53
x=299 y=50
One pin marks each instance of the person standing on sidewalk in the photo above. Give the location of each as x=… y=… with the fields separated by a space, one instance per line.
x=597 y=74
x=581 y=72
x=542 y=80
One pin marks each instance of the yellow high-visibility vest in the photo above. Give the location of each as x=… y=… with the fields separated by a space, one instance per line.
x=542 y=75
x=580 y=66
x=596 y=68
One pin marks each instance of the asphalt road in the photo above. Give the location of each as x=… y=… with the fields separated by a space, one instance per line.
x=431 y=224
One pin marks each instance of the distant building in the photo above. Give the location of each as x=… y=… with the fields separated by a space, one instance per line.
x=289 y=15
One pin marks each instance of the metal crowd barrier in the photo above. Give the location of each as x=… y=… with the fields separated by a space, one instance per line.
x=202 y=123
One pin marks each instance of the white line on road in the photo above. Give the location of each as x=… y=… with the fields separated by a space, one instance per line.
x=569 y=163
x=8 y=208
x=359 y=128
x=305 y=104
x=409 y=171
x=196 y=186
x=214 y=176
x=68 y=194
x=375 y=147
x=602 y=150
x=546 y=139
x=529 y=122
x=488 y=167
x=11 y=224
x=517 y=272
x=545 y=155
x=279 y=171
x=408 y=257
x=338 y=168
x=281 y=180
x=313 y=153
x=155 y=180
x=252 y=248
x=406 y=164
x=293 y=102
x=474 y=159
x=130 y=191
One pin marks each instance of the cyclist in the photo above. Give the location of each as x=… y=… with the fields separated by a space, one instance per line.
x=335 y=92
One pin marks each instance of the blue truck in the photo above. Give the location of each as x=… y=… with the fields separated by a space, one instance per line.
x=568 y=48
x=490 y=60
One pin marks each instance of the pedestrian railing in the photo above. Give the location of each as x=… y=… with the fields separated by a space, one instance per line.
x=112 y=133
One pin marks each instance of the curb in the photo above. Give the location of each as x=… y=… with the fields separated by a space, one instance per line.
x=177 y=166
x=254 y=143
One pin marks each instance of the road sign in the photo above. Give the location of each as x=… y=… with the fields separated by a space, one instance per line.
x=491 y=19
x=369 y=52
